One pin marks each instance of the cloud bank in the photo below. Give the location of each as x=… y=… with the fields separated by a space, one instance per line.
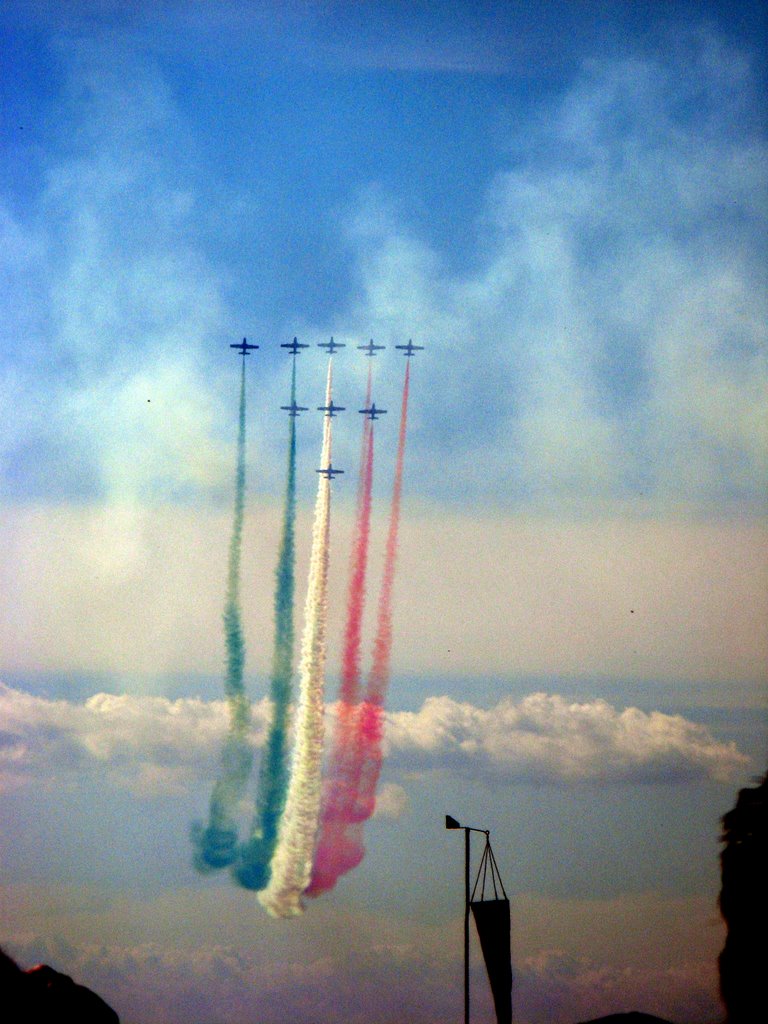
x=153 y=744
x=346 y=960
x=147 y=744
x=549 y=739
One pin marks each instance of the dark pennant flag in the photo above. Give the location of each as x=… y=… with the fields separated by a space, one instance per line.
x=492 y=922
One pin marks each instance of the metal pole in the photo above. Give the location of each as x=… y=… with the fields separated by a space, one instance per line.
x=466 y=925
x=452 y=823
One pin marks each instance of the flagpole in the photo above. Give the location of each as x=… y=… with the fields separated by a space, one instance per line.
x=452 y=823
x=466 y=924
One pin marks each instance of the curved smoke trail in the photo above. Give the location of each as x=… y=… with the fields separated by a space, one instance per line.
x=292 y=862
x=252 y=871
x=216 y=844
x=339 y=792
x=366 y=758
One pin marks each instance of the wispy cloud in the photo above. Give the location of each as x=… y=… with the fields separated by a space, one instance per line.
x=124 y=404
x=611 y=339
x=370 y=35
x=600 y=335
x=391 y=801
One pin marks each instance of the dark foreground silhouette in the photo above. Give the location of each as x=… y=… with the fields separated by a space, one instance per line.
x=42 y=995
x=629 y=1018
x=744 y=906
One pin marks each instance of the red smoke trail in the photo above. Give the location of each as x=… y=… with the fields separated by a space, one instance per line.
x=338 y=796
x=364 y=764
x=371 y=720
x=350 y=675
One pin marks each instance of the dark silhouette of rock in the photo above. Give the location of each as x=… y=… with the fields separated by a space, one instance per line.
x=744 y=906
x=628 y=1018
x=44 y=996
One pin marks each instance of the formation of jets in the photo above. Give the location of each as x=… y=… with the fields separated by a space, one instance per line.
x=410 y=348
x=293 y=346
x=331 y=345
x=372 y=412
x=330 y=410
x=293 y=409
x=244 y=348
x=370 y=349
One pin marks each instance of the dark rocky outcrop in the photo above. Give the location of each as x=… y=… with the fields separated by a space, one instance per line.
x=44 y=996
x=744 y=906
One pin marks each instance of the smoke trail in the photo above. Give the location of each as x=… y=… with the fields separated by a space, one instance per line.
x=378 y=679
x=215 y=845
x=350 y=679
x=292 y=861
x=252 y=870
x=369 y=721
x=339 y=789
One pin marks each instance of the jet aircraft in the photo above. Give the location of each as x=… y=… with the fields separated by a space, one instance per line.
x=294 y=346
x=331 y=345
x=372 y=412
x=329 y=472
x=244 y=347
x=330 y=410
x=370 y=349
x=410 y=348
x=293 y=409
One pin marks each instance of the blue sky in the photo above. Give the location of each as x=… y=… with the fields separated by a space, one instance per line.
x=595 y=207
x=565 y=203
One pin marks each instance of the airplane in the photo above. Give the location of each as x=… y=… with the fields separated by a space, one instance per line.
x=372 y=413
x=329 y=472
x=410 y=348
x=370 y=349
x=293 y=409
x=244 y=347
x=331 y=345
x=294 y=346
x=331 y=410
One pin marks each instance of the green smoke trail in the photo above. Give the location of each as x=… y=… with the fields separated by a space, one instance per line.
x=216 y=844
x=253 y=868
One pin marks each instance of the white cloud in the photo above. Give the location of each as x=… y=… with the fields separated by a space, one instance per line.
x=146 y=744
x=545 y=738
x=151 y=744
x=391 y=801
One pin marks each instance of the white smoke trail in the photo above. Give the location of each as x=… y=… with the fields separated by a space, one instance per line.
x=292 y=861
